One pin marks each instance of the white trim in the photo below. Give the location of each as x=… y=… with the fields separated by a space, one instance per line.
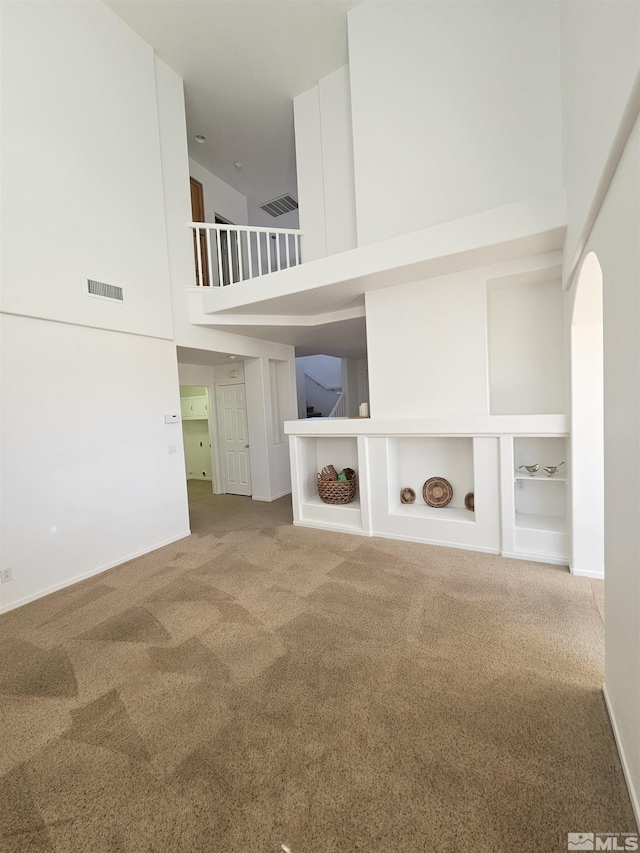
x=377 y=535
x=91 y=573
x=437 y=542
x=332 y=528
x=633 y=795
x=272 y=498
x=585 y=573
x=537 y=558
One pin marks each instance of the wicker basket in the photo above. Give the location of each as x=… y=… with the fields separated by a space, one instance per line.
x=336 y=492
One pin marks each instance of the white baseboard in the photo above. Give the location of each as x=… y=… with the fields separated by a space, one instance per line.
x=400 y=537
x=333 y=528
x=273 y=498
x=34 y=596
x=633 y=794
x=580 y=573
x=536 y=558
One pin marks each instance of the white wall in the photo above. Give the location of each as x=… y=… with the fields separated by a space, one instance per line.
x=526 y=356
x=219 y=197
x=326 y=368
x=601 y=58
x=81 y=171
x=600 y=61
x=350 y=387
x=325 y=168
x=615 y=241
x=427 y=349
x=87 y=478
x=308 y=131
x=456 y=109
x=83 y=197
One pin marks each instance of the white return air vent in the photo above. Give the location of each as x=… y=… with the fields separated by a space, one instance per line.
x=278 y=206
x=104 y=291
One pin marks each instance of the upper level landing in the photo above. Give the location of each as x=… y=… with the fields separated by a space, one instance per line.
x=324 y=300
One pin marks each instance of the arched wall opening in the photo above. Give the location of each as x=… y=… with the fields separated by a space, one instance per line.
x=587 y=422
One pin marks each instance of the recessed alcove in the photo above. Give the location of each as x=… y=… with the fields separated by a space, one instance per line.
x=525 y=343
x=412 y=461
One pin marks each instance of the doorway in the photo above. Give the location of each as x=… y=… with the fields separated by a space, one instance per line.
x=196 y=432
x=234 y=439
x=197 y=215
x=228 y=263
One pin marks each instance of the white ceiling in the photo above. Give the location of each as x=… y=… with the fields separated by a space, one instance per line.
x=242 y=62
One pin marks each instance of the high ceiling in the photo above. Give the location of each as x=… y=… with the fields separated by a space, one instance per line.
x=242 y=62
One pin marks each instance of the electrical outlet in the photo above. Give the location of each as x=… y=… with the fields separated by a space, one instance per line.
x=520 y=485
x=6 y=575
x=172 y=449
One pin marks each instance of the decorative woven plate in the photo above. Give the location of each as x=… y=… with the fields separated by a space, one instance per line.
x=469 y=501
x=407 y=496
x=437 y=492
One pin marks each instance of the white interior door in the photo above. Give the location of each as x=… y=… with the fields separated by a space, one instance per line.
x=234 y=439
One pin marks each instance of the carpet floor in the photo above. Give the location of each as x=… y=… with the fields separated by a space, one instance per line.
x=259 y=685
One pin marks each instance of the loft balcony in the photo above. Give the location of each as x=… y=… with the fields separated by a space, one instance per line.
x=254 y=280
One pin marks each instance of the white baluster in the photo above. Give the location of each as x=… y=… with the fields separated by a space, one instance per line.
x=250 y=253
x=240 y=263
x=199 y=255
x=278 y=267
x=209 y=258
x=218 y=256
x=229 y=261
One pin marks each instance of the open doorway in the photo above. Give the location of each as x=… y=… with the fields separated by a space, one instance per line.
x=587 y=427
x=196 y=432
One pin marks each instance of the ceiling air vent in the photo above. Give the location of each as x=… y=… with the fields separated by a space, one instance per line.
x=106 y=291
x=278 y=206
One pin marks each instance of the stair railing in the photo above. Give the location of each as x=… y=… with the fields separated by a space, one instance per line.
x=340 y=408
x=227 y=254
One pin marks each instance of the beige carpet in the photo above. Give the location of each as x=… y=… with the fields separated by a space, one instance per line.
x=258 y=685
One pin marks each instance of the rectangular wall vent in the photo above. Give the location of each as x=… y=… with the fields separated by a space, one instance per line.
x=106 y=291
x=278 y=206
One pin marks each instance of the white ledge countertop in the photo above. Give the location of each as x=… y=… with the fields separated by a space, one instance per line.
x=539 y=425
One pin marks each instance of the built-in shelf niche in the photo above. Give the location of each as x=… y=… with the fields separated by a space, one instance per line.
x=411 y=461
x=541 y=502
x=315 y=454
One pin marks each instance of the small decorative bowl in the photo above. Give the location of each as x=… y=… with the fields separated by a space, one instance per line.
x=407 y=495
x=469 y=501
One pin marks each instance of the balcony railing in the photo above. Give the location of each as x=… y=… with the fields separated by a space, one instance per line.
x=227 y=254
